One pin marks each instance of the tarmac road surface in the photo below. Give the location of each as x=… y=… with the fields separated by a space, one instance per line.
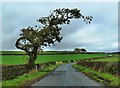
x=66 y=75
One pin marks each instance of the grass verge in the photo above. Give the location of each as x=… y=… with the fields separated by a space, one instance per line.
x=105 y=78
x=22 y=80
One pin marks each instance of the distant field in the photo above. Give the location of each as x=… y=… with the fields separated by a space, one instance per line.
x=22 y=59
x=12 y=52
x=112 y=59
x=43 y=53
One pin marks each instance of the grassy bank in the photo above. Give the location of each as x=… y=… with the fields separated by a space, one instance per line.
x=20 y=80
x=105 y=78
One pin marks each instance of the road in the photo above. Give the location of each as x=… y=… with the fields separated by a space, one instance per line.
x=66 y=75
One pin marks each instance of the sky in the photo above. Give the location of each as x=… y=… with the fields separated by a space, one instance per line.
x=100 y=35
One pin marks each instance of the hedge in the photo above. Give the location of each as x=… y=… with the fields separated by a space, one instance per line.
x=12 y=71
x=107 y=67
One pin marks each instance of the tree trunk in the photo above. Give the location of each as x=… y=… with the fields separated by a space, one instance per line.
x=31 y=62
x=32 y=58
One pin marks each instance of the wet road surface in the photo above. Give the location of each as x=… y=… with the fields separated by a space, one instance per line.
x=66 y=75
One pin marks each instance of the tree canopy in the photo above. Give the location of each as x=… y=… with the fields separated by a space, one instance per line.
x=34 y=38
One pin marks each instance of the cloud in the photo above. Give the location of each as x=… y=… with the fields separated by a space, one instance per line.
x=0 y=26
x=100 y=35
x=91 y=37
x=87 y=34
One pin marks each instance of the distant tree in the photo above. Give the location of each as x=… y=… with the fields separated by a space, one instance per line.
x=77 y=50
x=81 y=50
x=33 y=39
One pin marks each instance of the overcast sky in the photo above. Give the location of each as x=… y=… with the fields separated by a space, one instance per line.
x=100 y=35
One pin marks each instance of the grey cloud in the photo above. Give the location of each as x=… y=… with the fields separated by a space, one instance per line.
x=8 y=42
x=19 y=15
x=66 y=45
x=72 y=27
x=0 y=26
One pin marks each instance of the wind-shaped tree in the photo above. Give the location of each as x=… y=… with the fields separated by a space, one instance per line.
x=34 y=38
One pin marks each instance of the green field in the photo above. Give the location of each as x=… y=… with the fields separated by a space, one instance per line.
x=111 y=59
x=43 y=53
x=12 y=52
x=22 y=59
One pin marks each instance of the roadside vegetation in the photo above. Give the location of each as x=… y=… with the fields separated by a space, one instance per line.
x=22 y=80
x=105 y=78
x=104 y=70
x=16 y=59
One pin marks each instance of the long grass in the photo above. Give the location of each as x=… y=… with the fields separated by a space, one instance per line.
x=20 y=80
x=105 y=78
